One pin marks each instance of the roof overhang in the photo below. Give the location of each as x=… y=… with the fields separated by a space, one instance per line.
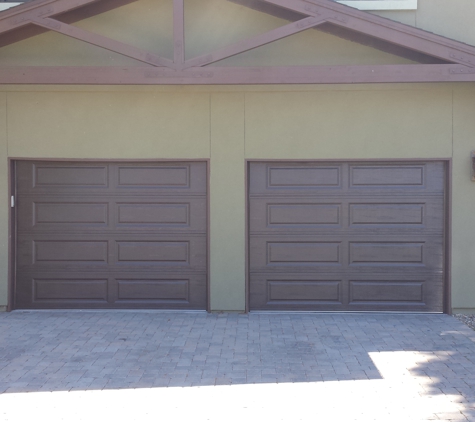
x=441 y=59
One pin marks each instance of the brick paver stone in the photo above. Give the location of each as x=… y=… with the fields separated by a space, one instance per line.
x=142 y=365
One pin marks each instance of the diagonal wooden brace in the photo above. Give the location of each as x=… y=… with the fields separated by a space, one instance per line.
x=257 y=41
x=103 y=42
x=387 y=30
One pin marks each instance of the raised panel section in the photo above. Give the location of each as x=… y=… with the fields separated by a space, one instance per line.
x=303 y=253
x=73 y=176
x=407 y=253
x=302 y=214
x=156 y=214
x=398 y=214
x=154 y=251
x=153 y=290
x=154 y=176
x=69 y=289
x=386 y=291
x=303 y=177
x=69 y=213
x=54 y=251
x=303 y=291
x=377 y=176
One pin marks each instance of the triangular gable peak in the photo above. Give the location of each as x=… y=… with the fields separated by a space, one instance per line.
x=442 y=59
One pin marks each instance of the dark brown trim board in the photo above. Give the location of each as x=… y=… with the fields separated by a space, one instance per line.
x=208 y=236
x=138 y=75
x=448 y=240
x=11 y=236
x=246 y=181
x=413 y=286
x=441 y=59
x=136 y=212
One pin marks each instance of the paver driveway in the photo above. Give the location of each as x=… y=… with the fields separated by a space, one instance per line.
x=195 y=366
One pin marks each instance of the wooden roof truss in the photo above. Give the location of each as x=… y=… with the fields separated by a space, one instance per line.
x=442 y=59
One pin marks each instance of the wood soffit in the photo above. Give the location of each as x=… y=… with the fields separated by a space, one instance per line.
x=440 y=59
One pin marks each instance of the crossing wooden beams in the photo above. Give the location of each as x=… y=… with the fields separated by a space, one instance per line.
x=101 y=41
x=384 y=29
x=451 y=60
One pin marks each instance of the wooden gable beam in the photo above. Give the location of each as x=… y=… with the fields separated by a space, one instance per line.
x=22 y=15
x=257 y=41
x=385 y=29
x=179 y=32
x=103 y=42
x=136 y=75
x=194 y=72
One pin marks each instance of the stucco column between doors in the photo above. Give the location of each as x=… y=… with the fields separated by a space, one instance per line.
x=227 y=203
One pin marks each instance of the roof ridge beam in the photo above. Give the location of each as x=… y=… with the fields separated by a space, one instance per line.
x=394 y=32
x=103 y=42
x=254 y=42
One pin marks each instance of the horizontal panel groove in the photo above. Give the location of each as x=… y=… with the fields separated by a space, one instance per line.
x=416 y=196
x=358 y=271
x=107 y=270
x=146 y=233
x=347 y=234
x=110 y=196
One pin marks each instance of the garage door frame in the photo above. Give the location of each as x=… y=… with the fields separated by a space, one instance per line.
x=447 y=241
x=12 y=234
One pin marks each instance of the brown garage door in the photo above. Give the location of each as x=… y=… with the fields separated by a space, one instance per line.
x=347 y=236
x=111 y=235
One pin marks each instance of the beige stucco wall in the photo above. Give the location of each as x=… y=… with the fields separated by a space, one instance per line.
x=230 y=124
x=463 y=191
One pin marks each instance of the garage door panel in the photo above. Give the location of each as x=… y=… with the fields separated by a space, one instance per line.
x=170 y=178
x=387 y=175
x=378 y=235
x=292 y=251
x=149 y=253
x=111 y=235
x=325 y=252
x=69 y=213
x=419 y=293
x=298 y=178
x=160 y=290
x=52 y=290
x=296 y=292
x=302 y=214
x=80 y=290
x=175 y=214
x=57 y=289
x=51 y=213
x=400 y=252
x=167 y=178
x=351 y=214
x=54 y=177
x=397 y=177
x=163 y=252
